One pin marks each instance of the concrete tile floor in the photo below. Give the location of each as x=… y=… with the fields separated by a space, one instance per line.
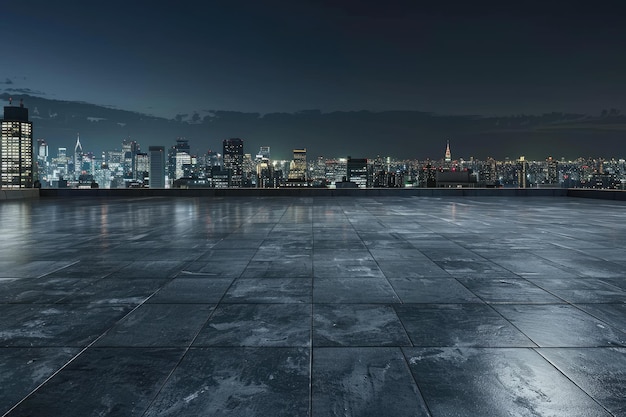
x=313 y=307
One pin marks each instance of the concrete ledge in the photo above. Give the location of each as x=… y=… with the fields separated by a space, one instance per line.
x=619 y=195
x=303 y=192
x=19 y=194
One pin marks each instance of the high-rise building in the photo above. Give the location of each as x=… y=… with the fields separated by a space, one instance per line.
x=178 y=156
x=357 y=172
x=521 y=172
x=141 y=170
x=157 y=166
x=16 y=148
x=448 y=155
x=42 y=164
x=336 y=170
x=318 y=172
x=298 y=168
x=264 y=152
x=42 y=150
x=233 y=160
x=130 y=149
x=552 y=171
x=264 y=173
x=212 y=159
x=78 y=156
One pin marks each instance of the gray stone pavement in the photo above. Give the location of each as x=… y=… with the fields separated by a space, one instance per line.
x=313 y=307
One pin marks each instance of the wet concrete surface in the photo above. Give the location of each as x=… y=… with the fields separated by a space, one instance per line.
x=344 y=306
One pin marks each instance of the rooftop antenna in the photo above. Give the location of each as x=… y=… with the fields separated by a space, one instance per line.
x=21 y=102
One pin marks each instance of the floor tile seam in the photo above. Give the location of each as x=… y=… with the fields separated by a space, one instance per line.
x=395 y=292
x=407 y=364
x=312 y=318
x=596 y=317
x=58 y=269
x=567 y=268
x=81 y=352
x=537 y=284
x=193 y=340
x=564 y=374
x=565 y=302
x=89 y=283
x=491 y=307
x=404 y=329
x=520 y=277
x=560 y=304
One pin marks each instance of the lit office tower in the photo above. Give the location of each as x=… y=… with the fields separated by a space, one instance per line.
x=264 y=173
x=42 y=160
x=42 y=150
x=487 y=173
x=297 y=168
x=78 y=156
x=178 y=156
x=552 y=171
x=448 y=155
x=16 y=148
x=233 y=160
x=141 y=170
x=521 y=172
x=130 y=149
x=157 y=166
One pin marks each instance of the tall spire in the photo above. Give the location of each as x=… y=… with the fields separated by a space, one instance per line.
x=448 y=154
x=78 y=145
x=78 y=156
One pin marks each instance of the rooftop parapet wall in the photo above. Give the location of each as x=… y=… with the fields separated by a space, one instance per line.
x=619 y=195
x=304 y=192
x=19 y=194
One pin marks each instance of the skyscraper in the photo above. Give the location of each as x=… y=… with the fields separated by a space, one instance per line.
x=233 y=160
x=42 y=163
x=16 y=148
x=298 y=168
x=521 y=172
x=157 y=166
x=552 y=171
x=264 y=152
x=448 y=155
x=357 y=172
x=130 y=149
x=78 y=156
x=178 y=156
x=141 y=170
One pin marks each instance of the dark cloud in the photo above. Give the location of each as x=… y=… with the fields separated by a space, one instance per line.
x=24 y=91
x=8 y=81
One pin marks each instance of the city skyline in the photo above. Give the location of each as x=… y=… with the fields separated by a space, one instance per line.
x=241 y=167
x=414 y=135
x=236 y=168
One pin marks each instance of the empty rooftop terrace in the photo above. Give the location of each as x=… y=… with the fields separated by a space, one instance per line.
x=313 y=306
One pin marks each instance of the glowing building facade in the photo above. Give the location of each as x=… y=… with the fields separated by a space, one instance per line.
x=16 y=149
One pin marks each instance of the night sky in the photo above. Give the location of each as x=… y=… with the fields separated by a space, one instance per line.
x=452 y=58
x=268 y=56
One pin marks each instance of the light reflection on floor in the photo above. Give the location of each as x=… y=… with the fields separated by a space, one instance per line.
x=313 y=306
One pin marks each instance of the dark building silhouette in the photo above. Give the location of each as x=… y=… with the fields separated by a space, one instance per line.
x=233 y=160
x=357 y=172
x=157 y=166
